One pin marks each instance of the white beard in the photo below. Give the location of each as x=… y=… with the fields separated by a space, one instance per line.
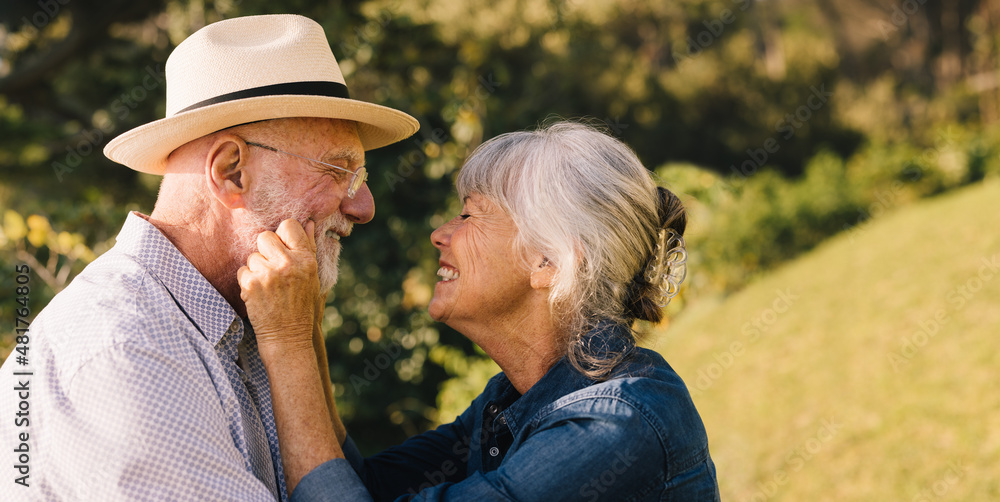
x=273 y=203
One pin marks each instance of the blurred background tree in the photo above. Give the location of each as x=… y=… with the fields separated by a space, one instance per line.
x=781 y=122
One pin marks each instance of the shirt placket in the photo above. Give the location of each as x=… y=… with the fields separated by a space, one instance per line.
x=254 y=434
x=498 y=436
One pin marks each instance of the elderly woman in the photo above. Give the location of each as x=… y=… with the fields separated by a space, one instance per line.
x=564 y=241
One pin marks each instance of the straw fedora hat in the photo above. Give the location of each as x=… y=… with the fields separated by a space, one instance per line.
x=247 y=69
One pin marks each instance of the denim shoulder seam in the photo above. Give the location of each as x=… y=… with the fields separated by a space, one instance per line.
x=674 y=465
x=613 y=393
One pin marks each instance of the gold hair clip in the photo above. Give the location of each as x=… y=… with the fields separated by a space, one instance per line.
x=668 y=266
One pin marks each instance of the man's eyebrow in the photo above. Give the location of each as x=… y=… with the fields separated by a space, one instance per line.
x=349 y=154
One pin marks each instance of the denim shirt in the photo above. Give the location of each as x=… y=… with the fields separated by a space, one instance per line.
x=634 y=437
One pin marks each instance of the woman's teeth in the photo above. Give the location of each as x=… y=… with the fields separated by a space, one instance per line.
x=449 y=274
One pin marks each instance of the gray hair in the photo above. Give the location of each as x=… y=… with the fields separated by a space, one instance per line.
x=583 y=200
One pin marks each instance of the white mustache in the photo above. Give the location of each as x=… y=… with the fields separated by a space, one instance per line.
x=336 y=223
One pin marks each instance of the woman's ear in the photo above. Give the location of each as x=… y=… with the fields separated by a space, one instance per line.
x=226 y=173
x=542 y=273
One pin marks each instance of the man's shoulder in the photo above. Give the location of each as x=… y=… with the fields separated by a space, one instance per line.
x=114 y=301
x=112 y=289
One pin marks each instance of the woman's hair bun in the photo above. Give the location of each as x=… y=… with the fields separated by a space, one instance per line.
x=643 y=298
x=672 y=214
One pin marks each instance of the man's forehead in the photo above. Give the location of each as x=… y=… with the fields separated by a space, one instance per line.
x=346 y=144
x=333 y=139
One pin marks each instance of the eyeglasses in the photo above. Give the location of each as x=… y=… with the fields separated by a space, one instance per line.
x=358 y=177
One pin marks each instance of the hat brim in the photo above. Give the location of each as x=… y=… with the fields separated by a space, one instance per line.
x=146 y=147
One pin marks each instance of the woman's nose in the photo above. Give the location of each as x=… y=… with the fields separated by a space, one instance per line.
x=441 y=236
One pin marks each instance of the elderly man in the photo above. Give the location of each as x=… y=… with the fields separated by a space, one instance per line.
x=145 y=381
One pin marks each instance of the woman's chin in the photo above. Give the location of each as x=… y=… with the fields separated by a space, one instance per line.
x=436 y=310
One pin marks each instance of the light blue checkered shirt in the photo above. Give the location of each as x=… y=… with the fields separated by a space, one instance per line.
x=145 y=386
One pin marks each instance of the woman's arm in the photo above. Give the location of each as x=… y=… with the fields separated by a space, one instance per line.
x=319 y=347
x=280 y=287
x=427 y=459
x=305 y=431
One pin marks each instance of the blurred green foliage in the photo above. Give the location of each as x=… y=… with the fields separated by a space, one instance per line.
x=781 y=122
x=886 y=331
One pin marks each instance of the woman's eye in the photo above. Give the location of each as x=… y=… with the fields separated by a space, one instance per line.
x=464 y=216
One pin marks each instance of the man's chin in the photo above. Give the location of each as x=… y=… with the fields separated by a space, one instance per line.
x=329 y=268
x=324 y=288
x=328 y=276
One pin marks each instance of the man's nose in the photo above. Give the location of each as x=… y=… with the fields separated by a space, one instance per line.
x=360 y=209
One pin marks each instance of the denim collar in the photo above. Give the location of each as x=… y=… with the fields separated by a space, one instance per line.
x=562 y=378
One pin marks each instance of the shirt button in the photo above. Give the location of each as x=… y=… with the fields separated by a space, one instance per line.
x=492 y=409
x=494 y=451
x=502 y=419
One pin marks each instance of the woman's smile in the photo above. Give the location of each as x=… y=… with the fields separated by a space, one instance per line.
x=447 y=273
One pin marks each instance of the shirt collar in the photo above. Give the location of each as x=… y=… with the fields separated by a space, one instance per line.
x=191 y=291
x=563 y=378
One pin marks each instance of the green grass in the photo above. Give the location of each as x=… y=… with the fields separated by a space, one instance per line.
x=841 y=391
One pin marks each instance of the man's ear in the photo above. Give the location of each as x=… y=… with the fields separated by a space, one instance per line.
x=226 y=173
x=542 y=273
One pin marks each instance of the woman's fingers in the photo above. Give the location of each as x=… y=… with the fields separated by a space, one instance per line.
x=256 y=262
x=295 y=238
x=280 y=284
x=289 y=238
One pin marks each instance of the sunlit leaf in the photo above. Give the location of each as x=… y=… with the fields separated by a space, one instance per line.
x=13 y=225
x=38 y=230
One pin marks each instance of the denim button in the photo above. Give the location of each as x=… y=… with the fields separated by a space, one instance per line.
x=502 y=419
x=494 y=451
x=492 y=409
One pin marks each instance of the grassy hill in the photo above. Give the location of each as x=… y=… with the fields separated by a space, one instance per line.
x=864 y=370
